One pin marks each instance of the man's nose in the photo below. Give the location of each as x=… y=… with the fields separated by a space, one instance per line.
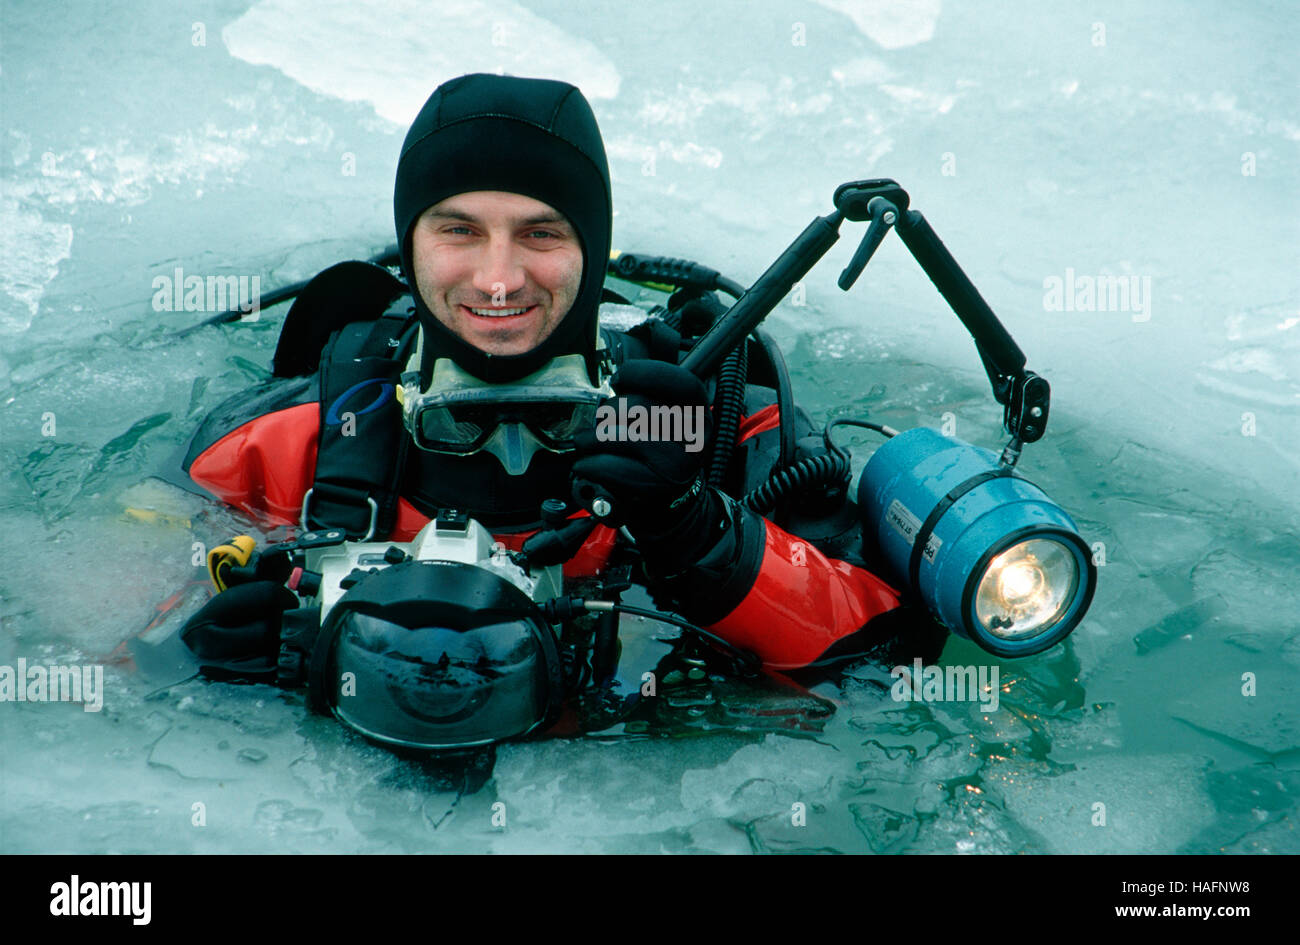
x=500 y=272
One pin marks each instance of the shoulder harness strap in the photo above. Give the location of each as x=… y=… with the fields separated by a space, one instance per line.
x=361 y=451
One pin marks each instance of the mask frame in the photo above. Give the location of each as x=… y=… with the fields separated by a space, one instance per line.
x=460 y=414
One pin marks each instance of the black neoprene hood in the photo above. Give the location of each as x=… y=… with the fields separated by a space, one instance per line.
x=536 y=137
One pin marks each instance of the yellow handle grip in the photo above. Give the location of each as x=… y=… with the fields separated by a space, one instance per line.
x=235 y=553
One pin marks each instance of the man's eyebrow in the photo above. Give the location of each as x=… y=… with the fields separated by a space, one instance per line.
x=551 y=217
x=451 y=214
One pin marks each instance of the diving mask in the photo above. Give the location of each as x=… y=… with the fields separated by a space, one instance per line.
x=461 y=414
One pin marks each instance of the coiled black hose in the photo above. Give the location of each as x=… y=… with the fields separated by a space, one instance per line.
x=824 y=469
x=730 y=400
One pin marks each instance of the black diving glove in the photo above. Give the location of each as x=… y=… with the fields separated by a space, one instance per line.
x=649 y=475
x=236 y=635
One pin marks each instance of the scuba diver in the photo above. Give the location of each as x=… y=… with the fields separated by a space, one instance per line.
x=463 y=448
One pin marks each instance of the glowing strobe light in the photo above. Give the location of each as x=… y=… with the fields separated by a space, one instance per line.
x=990 y=554
x=1027 y=589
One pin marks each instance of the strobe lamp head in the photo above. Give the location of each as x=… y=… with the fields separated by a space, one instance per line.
x=992 y=557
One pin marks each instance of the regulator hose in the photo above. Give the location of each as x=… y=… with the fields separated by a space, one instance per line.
x=566 y=608
x=667 y=270
x=824 y=469
x=730 y=400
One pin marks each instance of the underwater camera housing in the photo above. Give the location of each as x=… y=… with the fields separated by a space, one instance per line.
x=437 y=643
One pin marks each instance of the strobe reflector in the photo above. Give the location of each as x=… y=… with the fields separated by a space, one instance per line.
x=992 y=557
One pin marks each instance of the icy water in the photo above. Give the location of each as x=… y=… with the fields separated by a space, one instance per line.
x=1042 y=142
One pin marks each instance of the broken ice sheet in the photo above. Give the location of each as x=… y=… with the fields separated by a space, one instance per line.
x=1256 y=812
x=1148 y=804
x=573 y=794
x=208 y=752
x=768 y=777
x=1204 y=615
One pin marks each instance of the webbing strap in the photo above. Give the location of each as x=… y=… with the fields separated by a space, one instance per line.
x=927 y=527
x=361 y=450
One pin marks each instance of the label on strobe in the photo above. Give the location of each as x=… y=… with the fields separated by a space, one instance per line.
x=900 y=519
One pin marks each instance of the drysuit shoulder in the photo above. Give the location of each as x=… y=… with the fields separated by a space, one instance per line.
x=266 y=398
x=256 y=451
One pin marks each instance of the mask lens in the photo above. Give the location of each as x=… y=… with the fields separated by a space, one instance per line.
x=556 y=424
x=464 y=429
x=455 y=429
x=460 y=414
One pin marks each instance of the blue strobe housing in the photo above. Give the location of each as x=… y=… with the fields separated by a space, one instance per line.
x=992 y=557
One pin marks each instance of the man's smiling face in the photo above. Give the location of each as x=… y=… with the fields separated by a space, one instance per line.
x=500 y=270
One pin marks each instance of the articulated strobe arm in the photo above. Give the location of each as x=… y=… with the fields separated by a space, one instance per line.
x=1024 y=395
